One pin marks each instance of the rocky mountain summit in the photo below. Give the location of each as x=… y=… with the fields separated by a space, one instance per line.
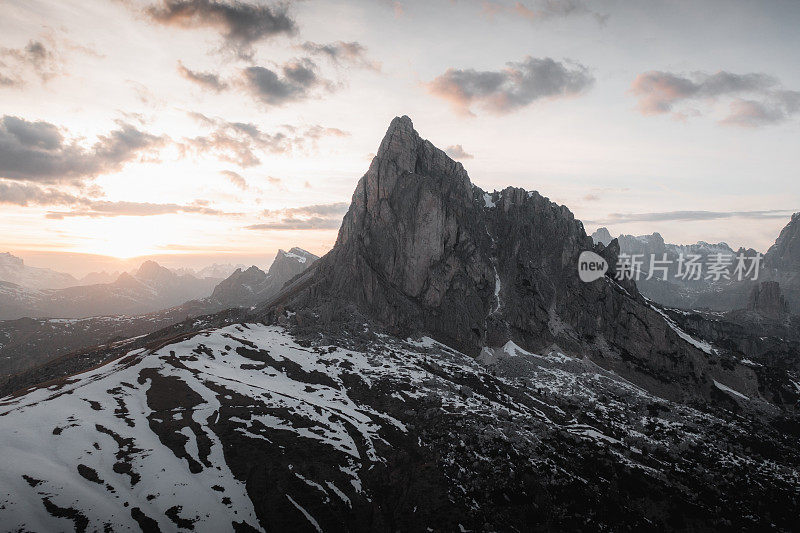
x=603 y=236
x=245 y=288
x=422 y=249
x=442 y=368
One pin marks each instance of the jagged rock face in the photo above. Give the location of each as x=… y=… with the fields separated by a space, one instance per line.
x=423 y=250
x=766 y=300
x=240 y=288
x=409 y=249
x=288 y=264
x=602 y=236
x=643 y=244
x=785 y=253
x=249 y=287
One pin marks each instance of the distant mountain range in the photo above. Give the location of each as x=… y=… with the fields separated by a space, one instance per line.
x=781 y=264
x=26 y=342
x=14 y=270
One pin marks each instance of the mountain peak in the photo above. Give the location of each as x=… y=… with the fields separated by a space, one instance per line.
x=8 y=259
x=423 y=251
x=602 y=235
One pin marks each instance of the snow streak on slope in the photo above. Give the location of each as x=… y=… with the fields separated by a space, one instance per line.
x=249 y=428
x=136 y=434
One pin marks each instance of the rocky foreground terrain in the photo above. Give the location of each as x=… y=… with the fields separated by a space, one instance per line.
x=441 y=369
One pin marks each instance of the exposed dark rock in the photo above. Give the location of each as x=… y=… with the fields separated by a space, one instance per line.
x=766 y=300
x=785 y=253
x=253 y=286
x=423 y=250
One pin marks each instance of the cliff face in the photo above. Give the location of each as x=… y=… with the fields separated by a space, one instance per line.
x=421 y=249
x=785 y=253
x=766 y=300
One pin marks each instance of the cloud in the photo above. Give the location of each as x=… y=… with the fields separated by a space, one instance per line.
x=297 y=81
x=341 y=52
x=35 y=57
x=102 y=209
x=318 y=216
x=619 y=218
x=235 y=178
x=518 y=85
x=241 y=24
x=240 y=142
x=542 y=10
x=38 y=151
x=660 y=92
x=26 y=194
x=457 y=152
x=297 y=224
x=778 y=107
x=206 y=80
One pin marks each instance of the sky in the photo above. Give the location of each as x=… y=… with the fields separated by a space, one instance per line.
x=201 y=131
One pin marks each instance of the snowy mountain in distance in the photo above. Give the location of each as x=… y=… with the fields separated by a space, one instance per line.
x=14 y=270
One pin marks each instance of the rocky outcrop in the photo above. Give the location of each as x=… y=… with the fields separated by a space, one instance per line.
x=602 y=236
x=245 y=288
x=766 y=300
x=785 y=253
x=421 y=249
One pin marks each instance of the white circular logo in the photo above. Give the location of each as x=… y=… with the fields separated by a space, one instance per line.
x=591 y=266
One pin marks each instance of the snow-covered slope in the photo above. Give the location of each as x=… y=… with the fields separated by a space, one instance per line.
x=250 y=427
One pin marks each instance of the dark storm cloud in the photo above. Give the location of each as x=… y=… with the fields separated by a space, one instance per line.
x=241 y=24
x=296 y=81
x=457 y=152
x=206 y=80
x=38 y=151
x=518 y=85
x=341 y=52
x=241 y=142
x=319 y=216
x=690 y=216
x=660 y=92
